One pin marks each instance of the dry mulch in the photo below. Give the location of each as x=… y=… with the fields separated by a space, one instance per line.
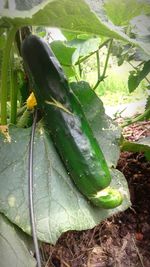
x=122 y=240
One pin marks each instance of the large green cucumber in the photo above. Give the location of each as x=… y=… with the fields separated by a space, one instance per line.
x=67 y=124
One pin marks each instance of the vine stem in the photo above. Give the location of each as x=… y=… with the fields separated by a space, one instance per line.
x=13 y=89
x=98 y=65
x=107 y=58
x=80 y=69
x=142 y=117
x=101 y=78
x=86 y=57
x=5 y=65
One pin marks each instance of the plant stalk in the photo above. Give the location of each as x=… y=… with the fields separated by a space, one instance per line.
x=107 y=58
x=86 y=57
x=5 y=65
x=142 y=117
x=98 y=65
x=80 y=70
x=13 y=91
x=101 y=78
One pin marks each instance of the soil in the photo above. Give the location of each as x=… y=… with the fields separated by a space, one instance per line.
x=122 y=240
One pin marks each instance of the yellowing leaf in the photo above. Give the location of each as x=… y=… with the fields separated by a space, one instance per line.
x=4 y=130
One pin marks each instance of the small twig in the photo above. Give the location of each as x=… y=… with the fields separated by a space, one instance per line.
x=65 y=263
x=134 y=211
x=141 y=134
x=49 y=260
x=93 y=233
x=138 y=253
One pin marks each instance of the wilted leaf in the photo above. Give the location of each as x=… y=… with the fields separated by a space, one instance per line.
x=14 y=246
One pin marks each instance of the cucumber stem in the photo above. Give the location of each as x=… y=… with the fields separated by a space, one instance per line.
x=5 y=65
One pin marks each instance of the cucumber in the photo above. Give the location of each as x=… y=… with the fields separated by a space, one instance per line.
x=67 y=124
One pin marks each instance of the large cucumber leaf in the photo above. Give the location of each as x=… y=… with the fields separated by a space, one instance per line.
x=59 y=206
x=78 y=16
x=126 y=10
x=141 y=30
x=14 y=246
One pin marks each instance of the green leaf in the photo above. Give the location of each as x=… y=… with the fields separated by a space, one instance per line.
x=147 y=103
x=136 y=77
x=140 y=55
x=69 y=72
x=59 y=206
x=84 y=47
x=142 y=145
x=126 y=10
x=14 y=246
x=106 y=131
x=75 y=16
x=146 y=143
x=65 y=14
x=98 y=9
x=141 y=30
x=63 y=52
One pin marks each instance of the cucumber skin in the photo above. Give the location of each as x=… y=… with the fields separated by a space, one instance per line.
x=70 y=131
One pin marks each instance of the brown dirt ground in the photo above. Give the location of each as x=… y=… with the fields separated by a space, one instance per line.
x=122 y=240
